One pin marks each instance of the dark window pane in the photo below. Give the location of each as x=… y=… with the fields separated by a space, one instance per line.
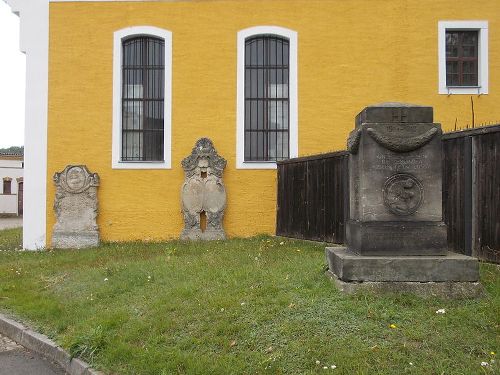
x=7 y=186
x=266 y=98
x=143 y=99
x=461 y=58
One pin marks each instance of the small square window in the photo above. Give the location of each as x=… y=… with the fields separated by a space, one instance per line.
x=463 y=57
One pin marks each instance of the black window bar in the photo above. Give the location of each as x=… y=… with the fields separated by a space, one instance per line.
x=267 y=103
x=143 y=76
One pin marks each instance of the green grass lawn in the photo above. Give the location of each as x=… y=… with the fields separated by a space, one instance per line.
x=243 y=306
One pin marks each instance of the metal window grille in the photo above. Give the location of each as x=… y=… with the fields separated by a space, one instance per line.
x=267 y=107
x=462 y=58
x=143 y=75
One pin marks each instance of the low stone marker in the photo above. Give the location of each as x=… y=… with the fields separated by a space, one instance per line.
x=396 y=237
x=203 y=193
x=76 y=208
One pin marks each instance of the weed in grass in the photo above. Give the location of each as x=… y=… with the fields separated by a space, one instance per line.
x=88 y=344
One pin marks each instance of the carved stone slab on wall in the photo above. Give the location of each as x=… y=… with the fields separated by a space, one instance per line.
x=203 y=193
x=76 y=208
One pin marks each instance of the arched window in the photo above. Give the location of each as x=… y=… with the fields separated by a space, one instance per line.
x=142 y=99
x=267 y=97
x=142 y=91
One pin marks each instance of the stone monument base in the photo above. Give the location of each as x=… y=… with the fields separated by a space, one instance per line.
x=450 y=289
x=452 y=275
x=75 y=240
x=207 y=235
x=406 y=238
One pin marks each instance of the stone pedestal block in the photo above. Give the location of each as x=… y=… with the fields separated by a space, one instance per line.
x=395 y=178
x=349 y=266
x=390 y=238
x=76 y=208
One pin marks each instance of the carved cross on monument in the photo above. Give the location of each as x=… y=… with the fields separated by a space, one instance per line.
x=399 y=115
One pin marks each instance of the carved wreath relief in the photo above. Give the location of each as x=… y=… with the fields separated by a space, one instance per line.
x=203 y=192
x=403 y=194
x=76 y=208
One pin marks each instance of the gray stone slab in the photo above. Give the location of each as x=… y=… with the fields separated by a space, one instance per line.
x=76 y=208
x=395 y=112
x=450 y=289
x=44 y=346
x=11 y=328
x=449 y=268
x=75 y=240
x=394 y=238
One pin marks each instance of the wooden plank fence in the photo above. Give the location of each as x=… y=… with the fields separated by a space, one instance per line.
x=471 y=191
x=313 y=197
x=313 y=194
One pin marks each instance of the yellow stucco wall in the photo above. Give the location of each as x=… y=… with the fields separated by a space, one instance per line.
x=350 y=54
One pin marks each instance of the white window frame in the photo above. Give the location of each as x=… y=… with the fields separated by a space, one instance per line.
x=240 y=101
x=482 y=64
x=119 y=36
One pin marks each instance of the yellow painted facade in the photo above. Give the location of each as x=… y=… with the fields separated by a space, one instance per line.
x=350 y=54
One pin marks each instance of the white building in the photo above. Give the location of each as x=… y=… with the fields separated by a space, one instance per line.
x=11 y=190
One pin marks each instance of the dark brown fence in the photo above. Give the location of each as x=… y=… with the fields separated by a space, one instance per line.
x=313 y=197
x=471 y=191
x=313 y=194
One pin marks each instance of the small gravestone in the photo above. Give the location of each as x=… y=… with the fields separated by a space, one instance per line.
x=395 y=233
x=203 y=193
x=76 y=208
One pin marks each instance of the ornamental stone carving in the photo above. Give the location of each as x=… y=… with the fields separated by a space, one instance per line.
x=76 y=208
x=203 y=193
x=403 y=194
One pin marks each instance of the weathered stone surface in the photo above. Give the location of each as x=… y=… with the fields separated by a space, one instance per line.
x=396 y=237
x=395 y=169
x=76 y=208
x=387 y=237
x=203 y=192
x=352 y=267
x=447 y=289
x=394 y=112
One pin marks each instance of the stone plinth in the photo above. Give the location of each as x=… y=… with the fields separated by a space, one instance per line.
x=427 y=268
x=396 y=237
x=203 y=193
x=76 y=208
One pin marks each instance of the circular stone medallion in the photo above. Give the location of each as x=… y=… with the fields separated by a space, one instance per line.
x=75 y=178
x=403 y=194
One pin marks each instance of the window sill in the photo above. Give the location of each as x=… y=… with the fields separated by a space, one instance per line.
x=464 y=90
x=256 y=165
x=141 y=165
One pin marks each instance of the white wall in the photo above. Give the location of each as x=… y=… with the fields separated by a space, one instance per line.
x=12 y=169
x=34 y=42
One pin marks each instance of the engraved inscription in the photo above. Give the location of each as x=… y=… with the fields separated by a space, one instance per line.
x=400 y=163
x=403 y=194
